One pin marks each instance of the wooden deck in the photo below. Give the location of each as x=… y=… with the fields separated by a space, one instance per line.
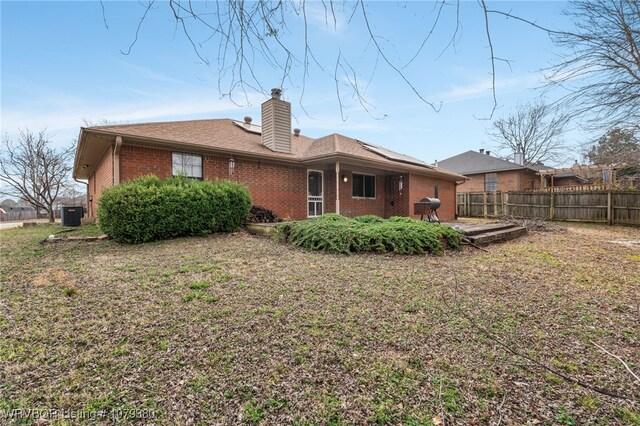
x=488 y=233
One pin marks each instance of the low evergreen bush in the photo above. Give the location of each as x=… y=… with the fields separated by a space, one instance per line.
x=369 y=218
x=338 y=234
x=150 y=208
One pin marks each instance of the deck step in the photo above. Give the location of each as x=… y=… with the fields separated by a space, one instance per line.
x=497 y=236
x=482 y=228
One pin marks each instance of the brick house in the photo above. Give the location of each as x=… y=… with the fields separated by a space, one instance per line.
x=488 y=174
x=294 y=175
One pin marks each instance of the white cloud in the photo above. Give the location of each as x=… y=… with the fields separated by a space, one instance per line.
x=149 y=73
x=331 y=18
x=63 y=116
x=482 y=88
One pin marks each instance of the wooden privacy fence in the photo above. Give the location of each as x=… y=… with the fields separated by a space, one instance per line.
x=17 y=213
x=611 y=207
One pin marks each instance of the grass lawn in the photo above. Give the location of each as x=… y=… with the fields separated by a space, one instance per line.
x=88 y=230
x=234 y=328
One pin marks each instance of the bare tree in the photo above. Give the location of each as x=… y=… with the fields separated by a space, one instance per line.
x=73 y=195
x=599 y=69
x=33 y=171
x=600 y=65
x=244 y=38
x=534 y=130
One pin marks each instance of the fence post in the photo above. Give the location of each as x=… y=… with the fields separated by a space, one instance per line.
x=484 y=204
x=552 y=207
x=503 y=201
x=609 y=208
x=467 y=206
x=495 y=204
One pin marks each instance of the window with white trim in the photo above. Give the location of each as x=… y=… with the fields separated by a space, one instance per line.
x=188 y=165
x=363 y=186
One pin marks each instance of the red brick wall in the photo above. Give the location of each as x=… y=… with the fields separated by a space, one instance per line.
x=350 y=206
x=474 y=184
x=281 y=188
x=136 y=161
x=423 y=186
x=101 y=178
x=528 y=180
x=389 y=201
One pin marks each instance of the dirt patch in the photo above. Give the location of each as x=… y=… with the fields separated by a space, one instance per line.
x=54 y=276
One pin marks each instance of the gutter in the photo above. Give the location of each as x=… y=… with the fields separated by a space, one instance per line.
x=116 y=160
x=87 y=185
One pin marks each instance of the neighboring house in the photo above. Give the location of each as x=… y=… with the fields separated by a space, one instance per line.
x=549 y=177
x=488 y=174
x=294 y=175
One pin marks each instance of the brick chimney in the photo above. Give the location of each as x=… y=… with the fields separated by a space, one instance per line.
x=518 y=158
x=276 y=123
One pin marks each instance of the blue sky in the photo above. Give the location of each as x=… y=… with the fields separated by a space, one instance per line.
x=60 y=64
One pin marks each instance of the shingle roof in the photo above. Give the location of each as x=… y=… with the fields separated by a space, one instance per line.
x=236 y=137
x=216 y=133
x=472 y=162
x=340 y=144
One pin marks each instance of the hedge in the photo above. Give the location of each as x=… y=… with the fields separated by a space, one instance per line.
x=338 y=234
x=150 y=208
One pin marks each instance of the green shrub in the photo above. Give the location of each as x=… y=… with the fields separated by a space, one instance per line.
x=338 y=234
x=150 y=208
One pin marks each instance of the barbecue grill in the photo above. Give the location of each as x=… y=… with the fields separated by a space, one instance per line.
x=427 y=208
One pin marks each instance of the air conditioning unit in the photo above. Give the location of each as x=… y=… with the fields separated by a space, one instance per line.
x=71 y=216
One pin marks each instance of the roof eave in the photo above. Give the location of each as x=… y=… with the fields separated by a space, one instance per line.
x=292 y=160
x=79 y=149
x=397 y=166
x=172 y=144
x=474 y=172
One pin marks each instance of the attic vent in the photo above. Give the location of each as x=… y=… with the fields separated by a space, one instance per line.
x=276 y=123
x=296 y=132
x=248 y=120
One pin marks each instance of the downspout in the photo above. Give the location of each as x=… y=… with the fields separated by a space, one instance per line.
x=337 y=187
x=116 y=160
x=88 y=202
